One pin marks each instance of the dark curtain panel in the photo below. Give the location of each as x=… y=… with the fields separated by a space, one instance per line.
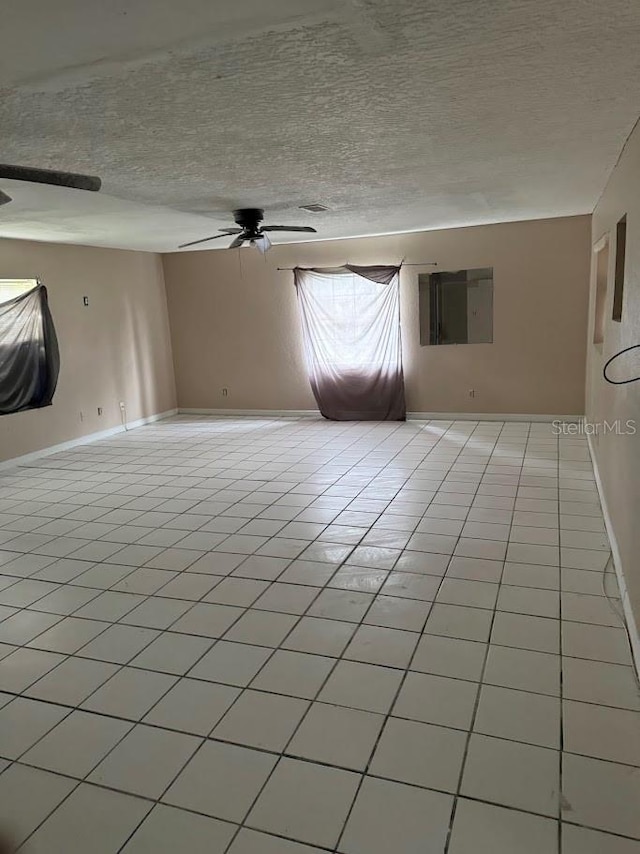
x=351 y=329
x=29 y=357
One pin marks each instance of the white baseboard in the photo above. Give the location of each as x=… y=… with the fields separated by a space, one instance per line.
x=490 y=416
x=632 y=626
x=412 y=416
x=25 y=459
x=265 y=413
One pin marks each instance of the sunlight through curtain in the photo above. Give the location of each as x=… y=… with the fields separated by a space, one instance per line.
x=351 y=330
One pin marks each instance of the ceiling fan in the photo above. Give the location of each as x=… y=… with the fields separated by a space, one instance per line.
x=47 y=176
x=250 y=230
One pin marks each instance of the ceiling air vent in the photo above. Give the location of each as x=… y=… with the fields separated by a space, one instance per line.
x=315 y=208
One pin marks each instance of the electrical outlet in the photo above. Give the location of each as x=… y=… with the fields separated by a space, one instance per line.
x=99 y=410
x=225 y=392
x=122 y=406
x=81 y=415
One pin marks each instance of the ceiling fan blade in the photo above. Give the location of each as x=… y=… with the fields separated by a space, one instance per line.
x=231 y=230
x=263 y=244
x=289 y=228
x=204 y=240
x=50 y=176
x=237 y=242
x=4 y=198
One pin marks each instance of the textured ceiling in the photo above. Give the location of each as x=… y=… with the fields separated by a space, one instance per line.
x=396 y=114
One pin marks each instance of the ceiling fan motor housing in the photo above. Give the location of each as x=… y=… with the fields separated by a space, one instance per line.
x=249 y=218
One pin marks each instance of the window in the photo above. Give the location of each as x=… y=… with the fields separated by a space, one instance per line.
x=12 y=288
x=621 y=251
x=602 y=277
x=456 y=307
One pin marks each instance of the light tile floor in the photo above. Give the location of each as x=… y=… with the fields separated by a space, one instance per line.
x=281 y=636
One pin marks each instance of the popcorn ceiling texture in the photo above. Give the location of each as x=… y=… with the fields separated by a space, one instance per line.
x=397 y=114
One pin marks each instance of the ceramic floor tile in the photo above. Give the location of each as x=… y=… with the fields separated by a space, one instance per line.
x=262 y=568
x=255 y=842
x=337 y=736
x=377 y=645
x=221 y=780
x=411 y=585
x=211 y=621
x=599 y=643
x=420 y=754
x=512 y=774
x=130 y=693
x=475 y=569
x=309 y=572
x=390 y=816
x=459 y=659
x=436 y=700
x=595 y=610
x=526 y=600
x=601 y=732
x=597 y=682
x=242 y=592
x=361 y=686
x=422 y=563
x=522 y=669
x=489 y=549
x=265 y=721
x=319 y=636
x=192 y=706
x=531 y=575
x=77 y=744
x=118 y=644
x=72 y=681
x=460 y=622
x=295 y=674
x=580 y=840
x=24 y=626
x=363 y=579
x=24 y=667
x=397 y=613
x=519 y=715
x=172 y=653
x=91 y=819
x=232 y=663
x=20 y=815
x=305 y=802
x=263 y=628
x=525 y=632
x=23 y=722
x=602 y=795
x=286 y=598
x=480 y=828
x=347 y=605
x=167 y=830
x=145 y=761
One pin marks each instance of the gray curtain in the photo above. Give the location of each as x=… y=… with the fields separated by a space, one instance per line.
x=29 y=358
x=351 y=329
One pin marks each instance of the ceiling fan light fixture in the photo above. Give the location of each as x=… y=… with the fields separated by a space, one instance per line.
x=316 y=207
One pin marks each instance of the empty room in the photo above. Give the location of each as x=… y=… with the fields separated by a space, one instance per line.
x=319 y=413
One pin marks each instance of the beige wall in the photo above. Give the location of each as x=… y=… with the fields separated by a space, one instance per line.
x=234 y=321
x=117 y=348
x=618 y=456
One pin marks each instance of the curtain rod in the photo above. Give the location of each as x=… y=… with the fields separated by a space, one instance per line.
x=402 y=264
